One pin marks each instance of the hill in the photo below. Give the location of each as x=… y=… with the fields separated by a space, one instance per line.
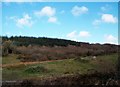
x=44 y=41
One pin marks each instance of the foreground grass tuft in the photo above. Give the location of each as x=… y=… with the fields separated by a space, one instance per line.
x=36 y=69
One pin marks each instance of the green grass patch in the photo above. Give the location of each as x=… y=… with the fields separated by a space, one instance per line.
x=10 y=59
x=58 y=68
x=36 y=69
x=83 y=59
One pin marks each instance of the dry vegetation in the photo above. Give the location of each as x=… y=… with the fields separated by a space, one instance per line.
x=79 y=61
x=66 y=72
x=42 y=53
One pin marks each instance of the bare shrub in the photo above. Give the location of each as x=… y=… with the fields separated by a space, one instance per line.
x=40 y=53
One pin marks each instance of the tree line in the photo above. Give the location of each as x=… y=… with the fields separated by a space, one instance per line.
x=11 y=44
x=41 y=41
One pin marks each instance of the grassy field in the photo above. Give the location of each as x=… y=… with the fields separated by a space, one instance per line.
x=10 y=59
x=56 y=68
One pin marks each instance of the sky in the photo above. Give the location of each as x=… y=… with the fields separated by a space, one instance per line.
x=93 y=22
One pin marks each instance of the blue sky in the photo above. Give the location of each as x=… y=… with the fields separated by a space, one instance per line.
x=94 y=22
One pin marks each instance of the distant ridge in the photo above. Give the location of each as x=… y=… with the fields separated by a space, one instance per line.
x=44 y=41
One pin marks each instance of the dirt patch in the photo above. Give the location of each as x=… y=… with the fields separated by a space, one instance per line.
x=26 y=63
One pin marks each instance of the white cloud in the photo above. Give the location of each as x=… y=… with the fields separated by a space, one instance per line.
x=108 y=18
x=76 y=10
x=96 y=22
x=73 y=34
x=52 y=19
x=105 y=8
x=11 y=18
x=105 y=18
x=76 y=36
x=25 y=21
x=110 y=39
x=46 y=11
x=49 y=12
x=8 y=33
x=84 y=34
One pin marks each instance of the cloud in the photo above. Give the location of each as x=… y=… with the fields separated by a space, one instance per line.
x=110 y=39
x=96 y=22
x=105 y=8
x=108 y=18
x=25 y=21
x=11 y=18
x=72 y=34
x=52 y=19
x=105 y=18
x=8 y=33
x=76 y=10
x=84 y=34
x=76 y=36
x=46 y=11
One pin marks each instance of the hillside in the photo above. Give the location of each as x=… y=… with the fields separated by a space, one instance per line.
x=34 y=59
x=45 y=48
x=44 y=41
x=41 y=41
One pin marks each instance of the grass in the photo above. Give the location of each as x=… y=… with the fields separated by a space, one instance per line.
x=105 y=63
x=36 y=69
x=10 y=59
x=68 y=66
x=55 y=68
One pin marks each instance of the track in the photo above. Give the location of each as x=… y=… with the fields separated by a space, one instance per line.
x=27 y=63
